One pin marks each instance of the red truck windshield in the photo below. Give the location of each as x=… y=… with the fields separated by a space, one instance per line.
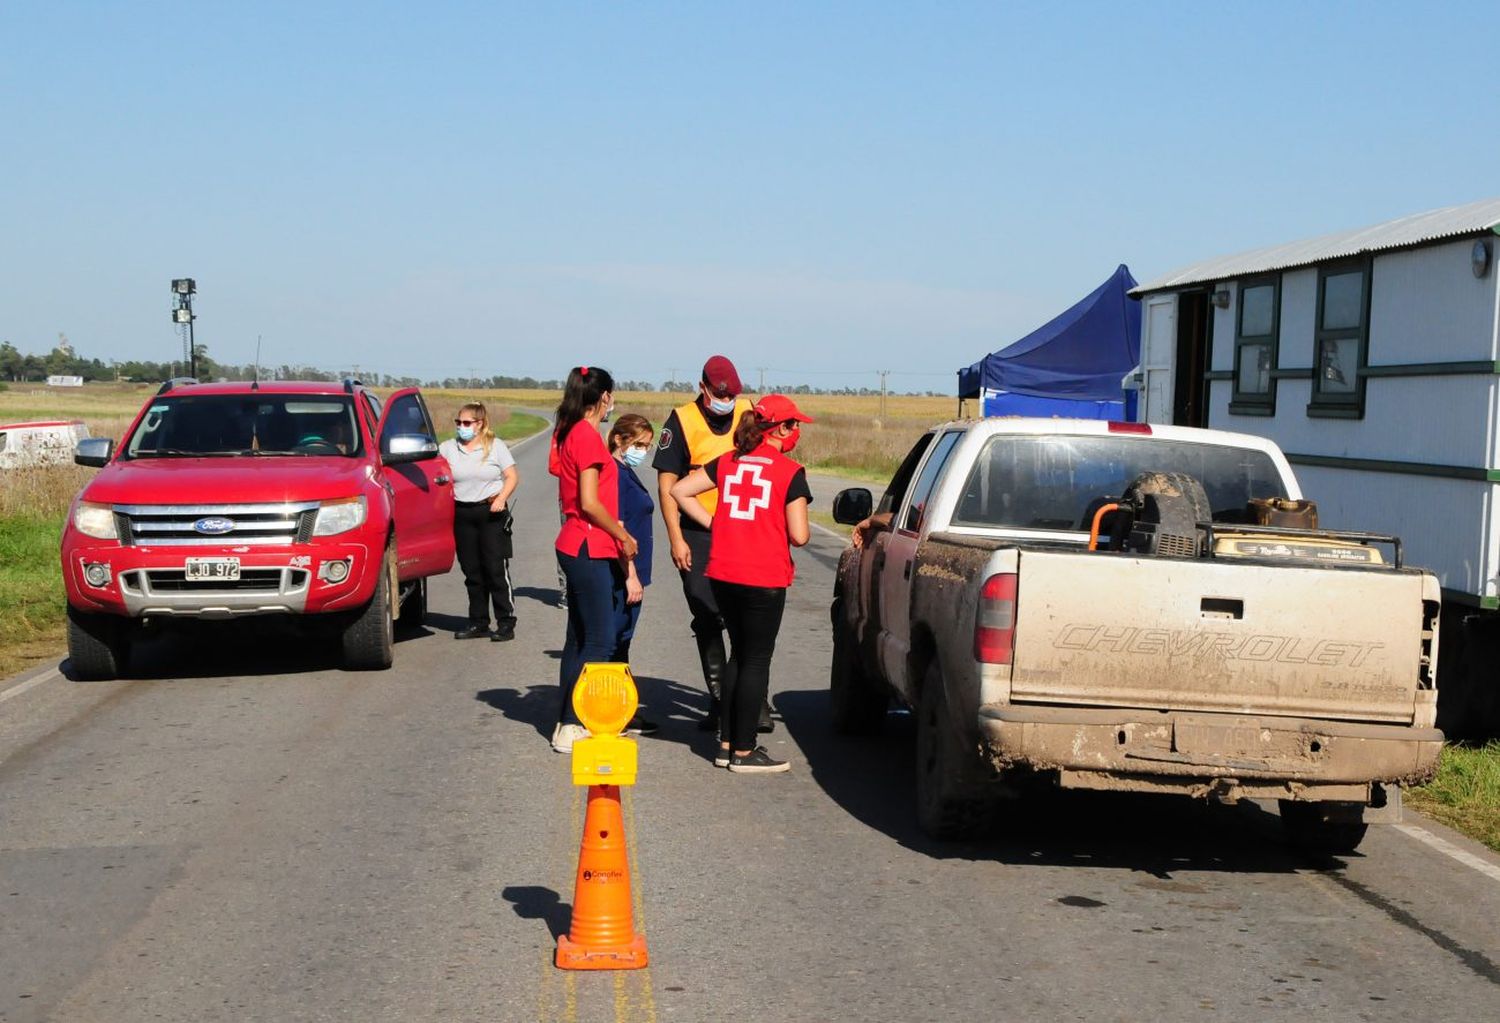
x=210 y=425
x=1028 y=482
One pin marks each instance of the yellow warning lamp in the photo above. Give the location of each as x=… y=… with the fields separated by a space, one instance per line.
x=605 y=699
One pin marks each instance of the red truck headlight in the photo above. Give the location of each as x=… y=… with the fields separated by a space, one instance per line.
x=995 y=620
x=95 y=520
x=339 y=516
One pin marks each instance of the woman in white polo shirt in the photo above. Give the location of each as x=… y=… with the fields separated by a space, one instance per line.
x=484 y=478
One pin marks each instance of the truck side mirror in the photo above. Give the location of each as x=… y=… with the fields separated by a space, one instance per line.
x=409 y=447
x=852 y=506
x=94 y=451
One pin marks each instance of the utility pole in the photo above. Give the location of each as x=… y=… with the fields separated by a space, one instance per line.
x=883 y=374
x=762 y=388
x=183 y=289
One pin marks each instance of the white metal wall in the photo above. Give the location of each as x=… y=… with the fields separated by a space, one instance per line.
x=1425 y=306
x=1445 y=525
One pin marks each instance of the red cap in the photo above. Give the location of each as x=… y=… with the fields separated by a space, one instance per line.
x=778 y=408
x=720 y=376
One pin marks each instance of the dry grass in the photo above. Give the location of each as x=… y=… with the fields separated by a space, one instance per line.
x=850 y=437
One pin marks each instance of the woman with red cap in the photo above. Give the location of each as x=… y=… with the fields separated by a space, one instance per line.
x=761 y=513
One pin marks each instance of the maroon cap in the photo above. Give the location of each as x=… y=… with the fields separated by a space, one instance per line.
x=720 y=376
x=778 y=408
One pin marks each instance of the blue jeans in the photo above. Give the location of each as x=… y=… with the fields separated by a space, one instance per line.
x=591 y=620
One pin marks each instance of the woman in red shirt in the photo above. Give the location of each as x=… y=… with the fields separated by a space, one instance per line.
x=762 y=513
x=593 y=548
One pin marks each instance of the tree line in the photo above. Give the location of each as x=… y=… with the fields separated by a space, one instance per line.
x=18 y=367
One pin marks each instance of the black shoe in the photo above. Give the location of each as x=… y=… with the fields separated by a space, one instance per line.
x=640 y=726
x=766 y=725
x=473 y=632
x=757 y=761
x=503 y=634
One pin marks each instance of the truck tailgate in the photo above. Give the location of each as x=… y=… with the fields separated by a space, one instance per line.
x=1185 y=634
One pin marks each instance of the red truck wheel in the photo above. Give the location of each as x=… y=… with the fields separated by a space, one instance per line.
x=369 y=638
x=98 y=645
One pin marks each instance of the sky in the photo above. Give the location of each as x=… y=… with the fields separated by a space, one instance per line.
x=821 y=191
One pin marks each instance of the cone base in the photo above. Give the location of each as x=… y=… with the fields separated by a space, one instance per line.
x=572 y=956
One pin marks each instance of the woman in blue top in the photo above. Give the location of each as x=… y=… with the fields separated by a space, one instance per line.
x=629 y=441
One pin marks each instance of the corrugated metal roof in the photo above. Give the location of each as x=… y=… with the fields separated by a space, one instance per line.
x=1417 y=229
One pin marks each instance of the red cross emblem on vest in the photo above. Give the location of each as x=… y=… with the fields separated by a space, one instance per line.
x=745 y=490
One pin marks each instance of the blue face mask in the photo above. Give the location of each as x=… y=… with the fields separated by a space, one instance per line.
x=721 y=407
x=634 y=456
x=466 y=433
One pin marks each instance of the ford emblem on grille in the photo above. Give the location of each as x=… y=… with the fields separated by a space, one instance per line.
x=214 y=525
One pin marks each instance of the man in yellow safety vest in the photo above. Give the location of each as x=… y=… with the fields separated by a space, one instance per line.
x=694 y=435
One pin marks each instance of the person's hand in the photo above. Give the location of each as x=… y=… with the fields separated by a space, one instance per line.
x=682 y=555
x=628 y=547
x=497 y=504
x=857 y=538
x=634 y=591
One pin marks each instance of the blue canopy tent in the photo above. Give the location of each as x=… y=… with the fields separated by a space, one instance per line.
x=1070 y=366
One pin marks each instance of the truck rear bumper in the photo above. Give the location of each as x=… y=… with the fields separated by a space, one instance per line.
x=1227 y=755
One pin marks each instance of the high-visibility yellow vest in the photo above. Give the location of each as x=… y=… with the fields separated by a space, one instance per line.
x=703 y=445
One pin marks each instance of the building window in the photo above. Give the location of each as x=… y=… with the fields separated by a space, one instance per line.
x=1342 y=337
x=1255 y=335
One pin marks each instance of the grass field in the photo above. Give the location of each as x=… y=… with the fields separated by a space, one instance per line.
x=1466 y=793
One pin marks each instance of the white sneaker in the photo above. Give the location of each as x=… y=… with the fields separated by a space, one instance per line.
x=563 y=737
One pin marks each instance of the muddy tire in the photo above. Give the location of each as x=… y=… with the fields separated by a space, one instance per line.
x=950 y=807
x=413 y=610
x=1308 y=828
x=98 y=645
x=369 y=637
x=857 y=704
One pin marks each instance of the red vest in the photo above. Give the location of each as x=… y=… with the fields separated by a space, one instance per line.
x=749 y=544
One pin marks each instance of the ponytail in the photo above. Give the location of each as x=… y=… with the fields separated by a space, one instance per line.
x=585 y=387
x=749 y=434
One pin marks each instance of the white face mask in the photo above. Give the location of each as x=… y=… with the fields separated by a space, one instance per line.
x=634 y=456
x=720 y=406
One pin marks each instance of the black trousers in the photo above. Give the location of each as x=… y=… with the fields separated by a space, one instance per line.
x=752 y=614
x=482 y=540
x=707 y=625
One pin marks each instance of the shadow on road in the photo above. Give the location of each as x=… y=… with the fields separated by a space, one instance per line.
x=532 y=902
x=249 y=647
x=674 y=707
x=872 y=778
x=540 y=594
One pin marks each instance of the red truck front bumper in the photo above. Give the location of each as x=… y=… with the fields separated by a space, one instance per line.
x=138 y=581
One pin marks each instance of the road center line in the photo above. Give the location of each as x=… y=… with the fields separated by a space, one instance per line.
x=30 y=684
x=1450 y=850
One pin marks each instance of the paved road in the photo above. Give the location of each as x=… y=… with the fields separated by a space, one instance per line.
x=245 y=833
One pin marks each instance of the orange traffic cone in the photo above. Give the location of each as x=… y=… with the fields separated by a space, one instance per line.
x=602 y=935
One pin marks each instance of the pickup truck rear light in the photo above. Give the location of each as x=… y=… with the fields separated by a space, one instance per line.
x=995 y=621
x=1115 y=426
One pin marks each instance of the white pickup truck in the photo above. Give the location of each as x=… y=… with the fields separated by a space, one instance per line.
x=1096 y=604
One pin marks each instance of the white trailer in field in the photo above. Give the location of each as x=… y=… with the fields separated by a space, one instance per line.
x=51 y=442
x=1372 y=358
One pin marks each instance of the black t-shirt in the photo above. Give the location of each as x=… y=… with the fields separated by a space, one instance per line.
x=797 y=488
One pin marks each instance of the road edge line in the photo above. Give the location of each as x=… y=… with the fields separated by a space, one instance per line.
x=1450 y=850
x=47 y=675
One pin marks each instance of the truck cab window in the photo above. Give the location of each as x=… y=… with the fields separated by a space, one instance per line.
x=932 y=469
x=891 y=499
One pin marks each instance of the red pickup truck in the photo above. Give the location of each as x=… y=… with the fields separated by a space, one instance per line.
x=271 y=498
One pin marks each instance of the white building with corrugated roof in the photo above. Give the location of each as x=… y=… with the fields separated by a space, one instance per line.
x=1372 y=358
